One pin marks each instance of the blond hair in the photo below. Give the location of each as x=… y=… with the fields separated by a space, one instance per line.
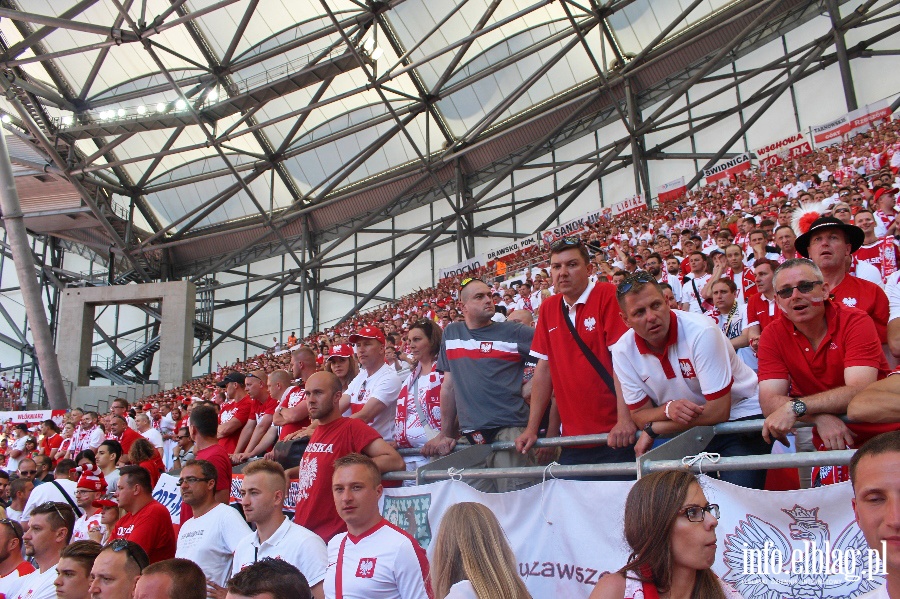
x=471 y=545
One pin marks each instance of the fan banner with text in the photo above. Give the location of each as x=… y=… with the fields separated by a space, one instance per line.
x=770 y=544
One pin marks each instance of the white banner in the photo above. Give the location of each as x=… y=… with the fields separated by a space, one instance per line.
x=463 y=267
x=831 y=133
x=566 y=534
x=34 y=416
x=671 y=190
x=634 y=203
x=857 y=121
x=512 y=248
x=167 y=493
x=726 y=169
x=572 y=227
x=788 y=148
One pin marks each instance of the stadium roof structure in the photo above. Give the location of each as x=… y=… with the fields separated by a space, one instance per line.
x=182 y=138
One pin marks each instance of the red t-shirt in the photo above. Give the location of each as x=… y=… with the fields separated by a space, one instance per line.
x=129 y=437
x=866 y=296
x=295 y=396
x=261 y=408
x=151 y=528
x=239 y=410
x=851 y=341
x=51 y=444
x=154 y=466
x=586 y=405
x=218 y=457
x=315 y=504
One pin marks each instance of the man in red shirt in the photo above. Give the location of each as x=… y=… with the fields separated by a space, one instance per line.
x=235 y=411
x=585 y=397
x=146 y=521
x=262 y=407
x=830 y=244
x=202 y=428
x=122 y=433
x=761 y=307
x=813 y=360
x=335 y=437
x=51 y=439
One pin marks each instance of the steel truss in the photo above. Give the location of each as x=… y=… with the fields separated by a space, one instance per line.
x=459 y=181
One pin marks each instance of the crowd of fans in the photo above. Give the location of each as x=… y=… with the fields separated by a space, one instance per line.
x=771 y=297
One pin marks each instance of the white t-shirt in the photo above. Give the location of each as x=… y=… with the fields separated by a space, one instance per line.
x=152 y=435
x=84 y=524
x=462 y=590
x=48 y=492
x=687 y=292
x=112 y=481
x=869 y=273
x=37 y=585
x=384 y=385
x=210 y=541
x=700 y=365
x=293 y=543
x=13 y=464
x=382 y=563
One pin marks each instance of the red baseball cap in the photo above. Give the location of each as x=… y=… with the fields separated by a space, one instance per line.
x=341 y=350
x=104 y=503
x=883 y=190
x=368 y=333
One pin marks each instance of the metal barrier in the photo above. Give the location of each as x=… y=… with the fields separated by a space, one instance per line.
x=667 y=456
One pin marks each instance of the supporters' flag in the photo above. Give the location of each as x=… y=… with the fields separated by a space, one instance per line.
x=728 y=168
x=35 y=416
x=857 y=121
x=512 y=248
x=563 y=548
x=788 y=148
x=831 y=133
x=671 y=190
x=633 y=203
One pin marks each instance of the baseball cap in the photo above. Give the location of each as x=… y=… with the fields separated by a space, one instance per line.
x=232 y=377
x=883 y=190
x=368 y=333
x=341 y=350
x=104 y=503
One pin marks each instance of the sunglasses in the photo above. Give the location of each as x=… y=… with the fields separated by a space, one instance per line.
x=252 y=376
x=15 y=526
x=140 y=559
x=802 y=287
x=629 y=282
x=48 y=505
x=565 y=242
x=27 y=472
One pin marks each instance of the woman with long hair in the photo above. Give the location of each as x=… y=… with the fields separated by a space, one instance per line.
x=342 y=363
x=418 y=415
x=145 y=455
x=472 y=558
x=671 y=529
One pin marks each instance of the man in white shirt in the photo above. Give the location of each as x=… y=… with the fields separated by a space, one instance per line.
x=694 y=282
x=92 y=435
x=875 y=475
x=149 y=433
x=61 y=490
x=49 y=531
x=262 y=497
x=210 y=537
x=17 y=447
x=372 y=394
x=90 y=487
x=373 y=559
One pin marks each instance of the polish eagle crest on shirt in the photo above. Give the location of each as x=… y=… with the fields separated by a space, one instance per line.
x=307 y=476
x=590 y=323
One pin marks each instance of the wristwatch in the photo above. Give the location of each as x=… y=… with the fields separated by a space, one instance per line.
x=799 y=408
x=648 y=428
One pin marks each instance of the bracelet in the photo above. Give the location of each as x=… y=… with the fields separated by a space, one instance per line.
x=667 y=410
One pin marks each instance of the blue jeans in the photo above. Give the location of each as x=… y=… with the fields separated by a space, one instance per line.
x=602 y=454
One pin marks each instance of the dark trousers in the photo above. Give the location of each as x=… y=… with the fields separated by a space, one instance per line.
x=602 y=454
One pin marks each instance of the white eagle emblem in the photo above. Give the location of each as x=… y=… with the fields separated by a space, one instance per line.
x=307 y=475
x=590 y=323
x=366 y=567
x=226 y=416
x=850 y=302
x=758 y=537
x=486 y=347
x=687 y=369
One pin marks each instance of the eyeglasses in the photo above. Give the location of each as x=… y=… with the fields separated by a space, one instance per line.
x=695 y=513
x=629 y=282
x=802 y=287
x=15 y=526
x=565 y=242
x=183 y=437
x=192 y=480
x=468 y=280
x=141 y=559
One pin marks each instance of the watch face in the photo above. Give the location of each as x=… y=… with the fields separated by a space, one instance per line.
x=799 y=408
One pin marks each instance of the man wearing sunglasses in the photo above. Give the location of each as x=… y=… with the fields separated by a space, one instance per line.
x=813 y=360
x=677 y=370
x=587 y=404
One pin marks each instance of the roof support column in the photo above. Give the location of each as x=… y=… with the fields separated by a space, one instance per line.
x=639 y=165
x=14 y=223
x=840 y=47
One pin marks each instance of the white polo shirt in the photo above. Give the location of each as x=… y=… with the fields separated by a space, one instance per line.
x=210 y=541
x=36 y=585
x=892 y=289
x=699 y=365
x=292 y=543
x=384 y=384
x=384 y=562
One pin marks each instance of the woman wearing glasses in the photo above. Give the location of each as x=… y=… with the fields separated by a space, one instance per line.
x=418 y=418
x=671 y=530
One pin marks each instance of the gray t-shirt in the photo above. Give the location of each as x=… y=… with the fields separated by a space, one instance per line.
x=487 y=366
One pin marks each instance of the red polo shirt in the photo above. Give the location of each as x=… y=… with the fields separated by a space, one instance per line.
x=239 y=410
x=866 y=296
x=758 y=311
x=851 y=340
x=129 y=437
